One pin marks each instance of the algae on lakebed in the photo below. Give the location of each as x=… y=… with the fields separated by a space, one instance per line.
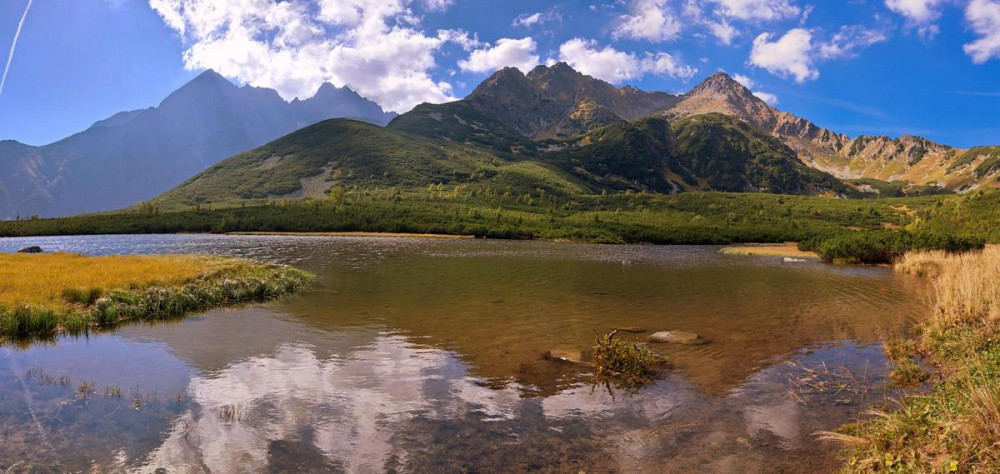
x=48 y=293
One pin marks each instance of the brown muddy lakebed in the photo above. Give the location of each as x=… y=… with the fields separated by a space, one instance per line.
x=422 y=355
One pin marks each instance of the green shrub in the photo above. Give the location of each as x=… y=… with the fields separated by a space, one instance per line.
x=624 y=364
x=884 y=246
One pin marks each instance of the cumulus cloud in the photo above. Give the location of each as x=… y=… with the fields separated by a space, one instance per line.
x=790 y=55
x=616 y=66
x=757 y=10
x=373 y=46
x=723 y=31
x=648 y=20
x=919 y=14
x=795 y=54
x=519 y=53
x=984 y=17
x=849 y=41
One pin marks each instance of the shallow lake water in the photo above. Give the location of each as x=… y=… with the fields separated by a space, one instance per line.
x=426 y=355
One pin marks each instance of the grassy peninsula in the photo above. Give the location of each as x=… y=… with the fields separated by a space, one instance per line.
x=42 y=294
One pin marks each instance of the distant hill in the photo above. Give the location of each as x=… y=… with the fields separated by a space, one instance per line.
x=133 y=156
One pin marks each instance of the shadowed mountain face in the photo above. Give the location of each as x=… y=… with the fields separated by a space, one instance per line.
x=133 y=156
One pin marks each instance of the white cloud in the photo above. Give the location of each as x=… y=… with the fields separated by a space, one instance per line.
x=744 y=80
x=536 y=19
x=847 y=42
x=920 y=14
x=648 y=20
x=616 y=66
x=527 y=20
x=984 y=17
x=723 y=31
x=758 y=10
x=771 y=99
x=374 y=46
x=519 y=53
x=790 y=55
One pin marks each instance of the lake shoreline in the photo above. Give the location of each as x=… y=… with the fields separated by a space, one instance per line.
x=955 y=427
x=406 y=235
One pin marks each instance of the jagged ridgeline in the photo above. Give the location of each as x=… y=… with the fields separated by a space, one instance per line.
x=560 y=132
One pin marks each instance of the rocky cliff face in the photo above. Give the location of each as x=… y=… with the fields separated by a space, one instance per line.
x=722 y=94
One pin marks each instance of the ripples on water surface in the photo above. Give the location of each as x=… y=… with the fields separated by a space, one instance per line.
x=428 y=355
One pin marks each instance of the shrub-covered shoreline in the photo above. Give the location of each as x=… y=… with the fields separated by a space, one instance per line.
x=225 y=281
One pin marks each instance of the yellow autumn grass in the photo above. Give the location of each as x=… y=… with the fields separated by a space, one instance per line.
x=790 y=250
x=967 y=285
x=42 y=279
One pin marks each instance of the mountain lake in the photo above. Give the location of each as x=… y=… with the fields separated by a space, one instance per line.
x=435 y=355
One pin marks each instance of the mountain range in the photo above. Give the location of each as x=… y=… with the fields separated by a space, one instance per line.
x=552 y=130
x=133 y=156
x=558 y=131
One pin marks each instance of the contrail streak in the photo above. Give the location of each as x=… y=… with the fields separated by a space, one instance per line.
x=13 y=46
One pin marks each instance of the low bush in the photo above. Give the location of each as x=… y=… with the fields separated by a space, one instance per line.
x=884 y=246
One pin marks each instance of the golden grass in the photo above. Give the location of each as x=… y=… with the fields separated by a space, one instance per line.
x=45 y=294
x=42 y=279
x=967 y=285
x=776 y=250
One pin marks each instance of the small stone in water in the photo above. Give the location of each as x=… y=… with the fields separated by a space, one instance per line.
x=677 y=337
x=567 y=355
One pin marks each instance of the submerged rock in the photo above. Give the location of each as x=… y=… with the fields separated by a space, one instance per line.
x=677 y=337
x=32 y=249
x=565 y=355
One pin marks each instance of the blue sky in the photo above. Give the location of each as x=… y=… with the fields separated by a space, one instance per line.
x=924 y=67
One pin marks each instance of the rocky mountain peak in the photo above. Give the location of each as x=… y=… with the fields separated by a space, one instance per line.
x=722 y=83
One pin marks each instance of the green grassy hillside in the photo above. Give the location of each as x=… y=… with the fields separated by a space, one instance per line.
x=345 y=154
x=728 y=154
